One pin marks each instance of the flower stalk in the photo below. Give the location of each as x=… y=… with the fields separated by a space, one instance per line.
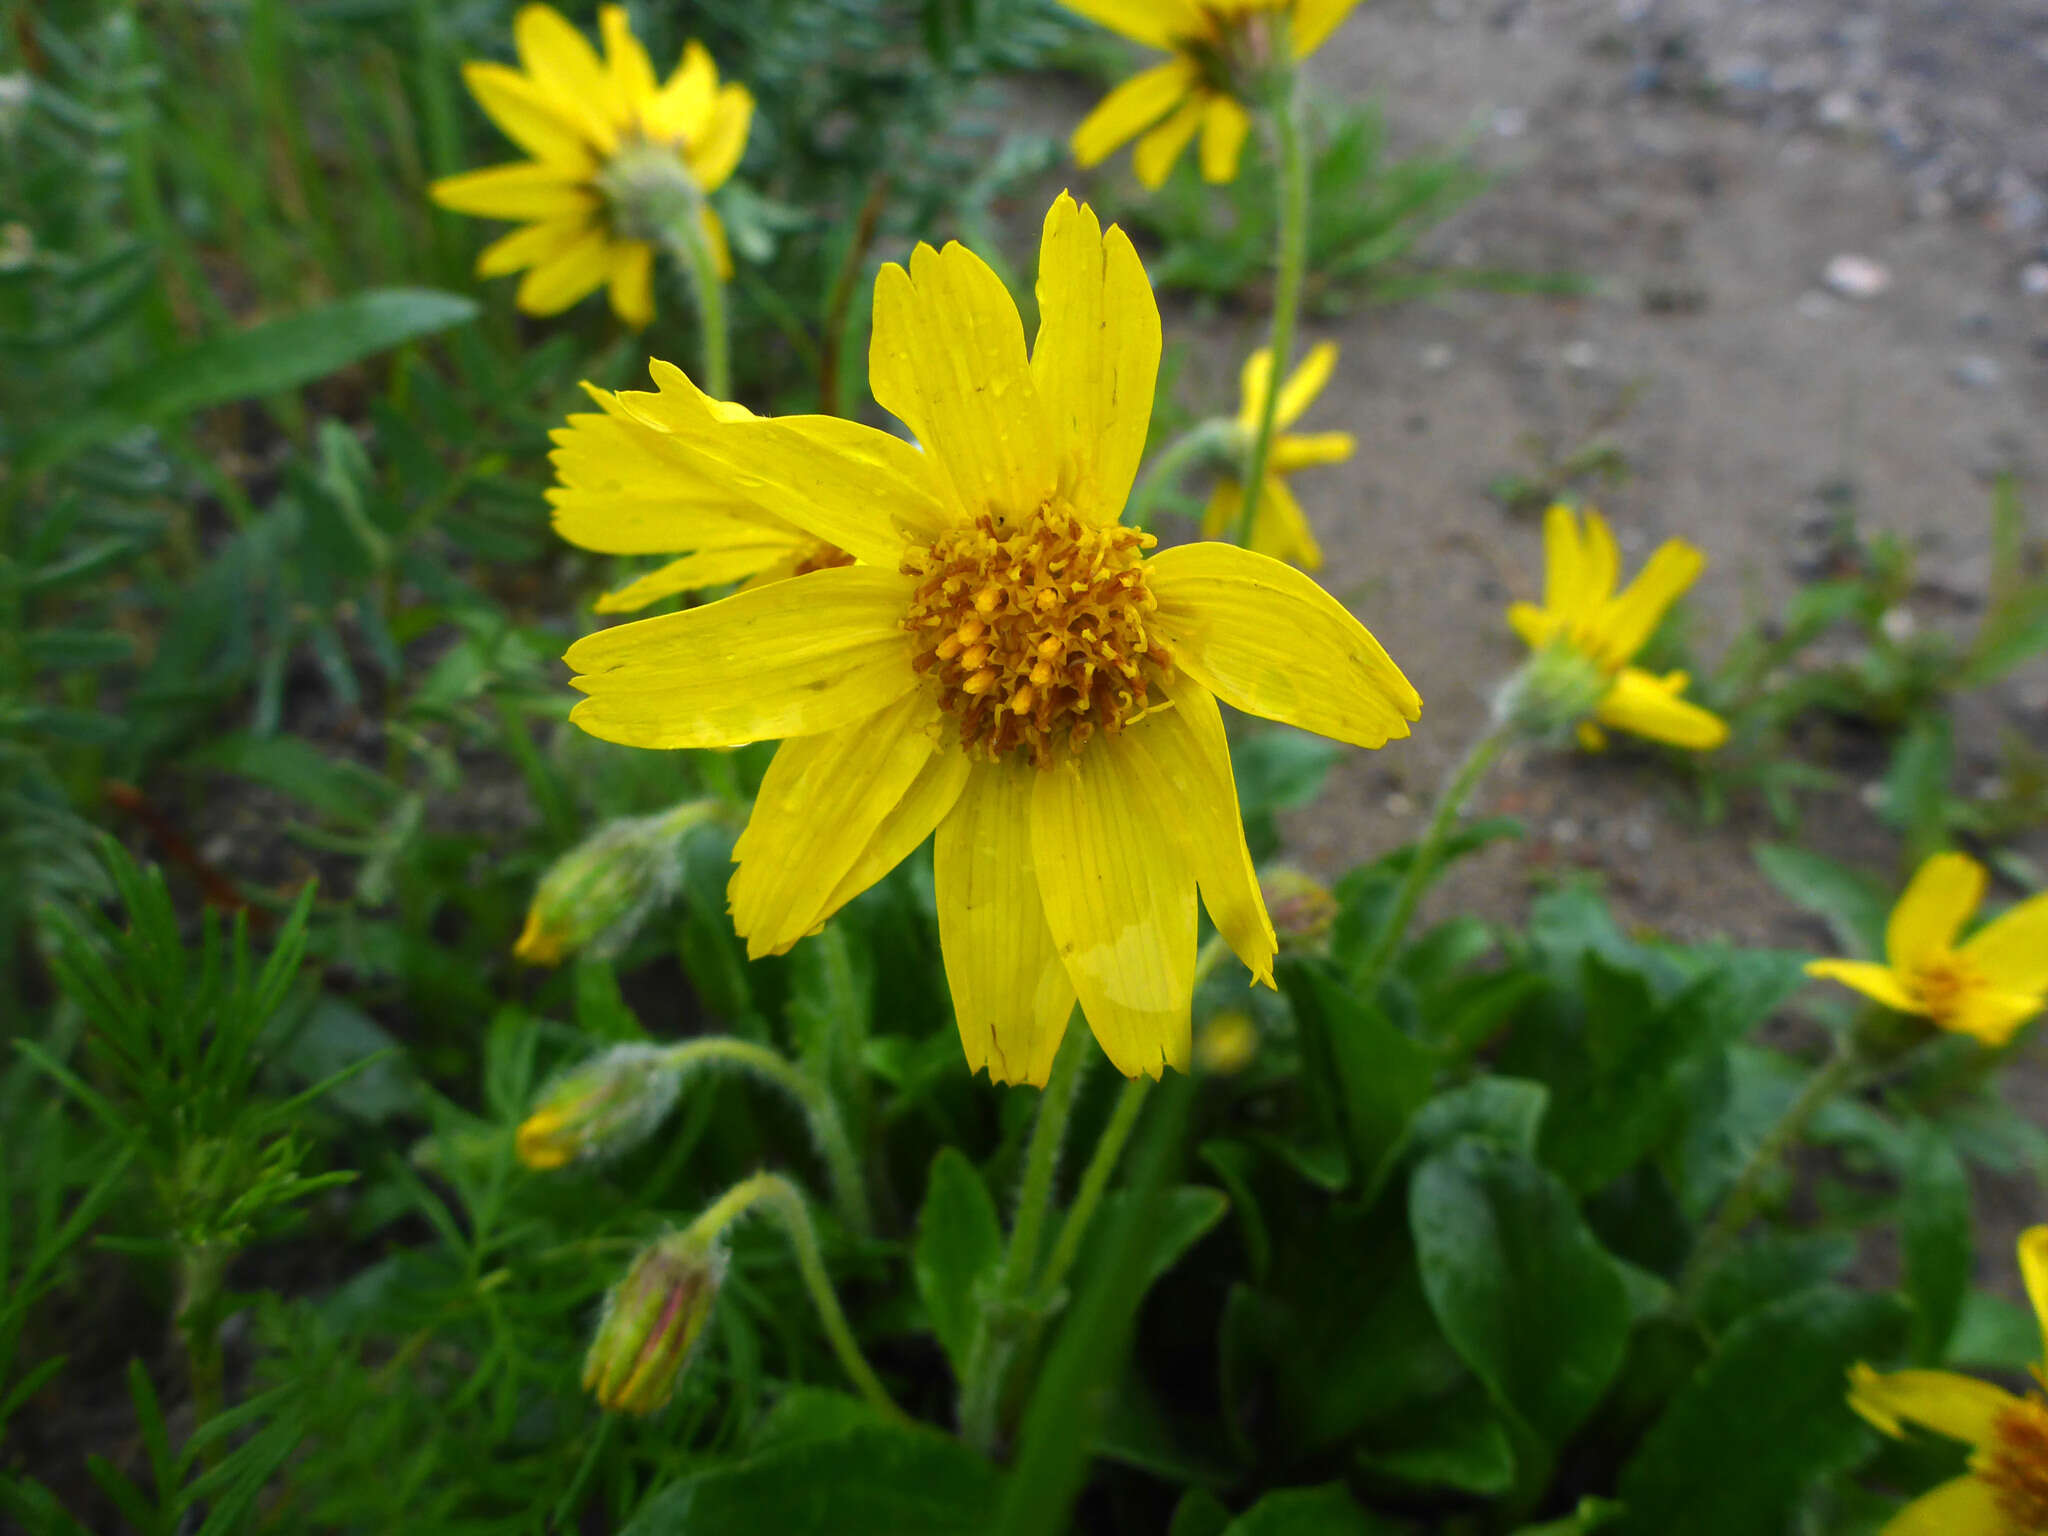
x=686 y=241
x=1285 y=116
x=1205 y=440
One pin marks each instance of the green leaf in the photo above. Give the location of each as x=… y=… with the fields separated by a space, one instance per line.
x=342 y=790
x=1328 y=1510
x=1508 y=1110
x=1457 y=1442
x=1186 y=1215
x=1199 y=1513
x=1370 y=1077
x=1935 y=1238
x=1764 y=1418
x=1525 y=1293
x=959 y=1245
x=1591 y=1515
x=1853 y=905
x=1992 y=1333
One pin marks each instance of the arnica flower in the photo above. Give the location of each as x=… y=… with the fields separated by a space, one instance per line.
x=651 y=1322
x=1987 y=986
x=618 y=159
x=600 y=1108
x=625 y=485
x=2005 y=1491
x=1217 y=48
x=595 y=897
x=1004 y=666
x=1586 y=633
x=1280 y=529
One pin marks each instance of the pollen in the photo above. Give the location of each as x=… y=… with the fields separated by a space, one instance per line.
x=1034 y=632
x=2015 y=1464
x=1942 y=983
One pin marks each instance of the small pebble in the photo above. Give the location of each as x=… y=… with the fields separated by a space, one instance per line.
x=1399 y=804
x=1898 y=624
x=1838 y=109
x=2034 y=280
x=1977 y=372
x=1581 y=357
x=1857 y=277
x=1510 y=122
x=1437 y=356
x=1564 y=830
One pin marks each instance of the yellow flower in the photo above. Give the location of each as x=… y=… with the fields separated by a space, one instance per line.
x=617 y=158
x=1003 y=667
x=1586 y=633
x=1281 y=530
x=1213 y=43
x=2005 y=1492
x=1987 y=986
x=625 y=486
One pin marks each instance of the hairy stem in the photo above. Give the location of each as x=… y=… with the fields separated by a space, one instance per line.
x=691 y=248
x=1293 y=267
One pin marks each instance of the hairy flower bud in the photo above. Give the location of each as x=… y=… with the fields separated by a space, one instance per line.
x=604 y=1106
x=1226 y=1044
x=651 y=1321
x=1302 y=907
x=1555 y=691
x=595 y=897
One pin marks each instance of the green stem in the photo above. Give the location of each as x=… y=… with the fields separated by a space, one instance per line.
x=1286 y=119
x=1094 y=1183
x=842 y=1164
x=1428 y=857
x=785 y=1202
x=1203 y=440
x=1744 y=1196
x=202 y=1276
x=994 y=1342
x=691 y=247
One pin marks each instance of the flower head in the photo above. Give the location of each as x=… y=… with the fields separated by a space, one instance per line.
x=1281 y=529
x=2005 y=1491
x=596 y=896
x=1218 y=48
x=618 y=159
x=651 y=1322
x=1586 y=633
x=1004 y=666
x=1987 y=986
x=599 y=1108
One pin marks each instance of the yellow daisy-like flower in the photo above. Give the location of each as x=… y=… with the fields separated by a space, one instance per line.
x=1987 y=986
x=617 y=158
x=1004 y=667
x=1214 y=44
x=1586 y=633
x=625 y=485
x=1281 y=529
x=2005 y=1492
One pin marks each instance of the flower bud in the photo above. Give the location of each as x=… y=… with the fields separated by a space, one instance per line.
x=1555 y=691
x=595 y=897
x=651 y=1322
x=1302 y=908
x=604 y=1106
x=648 y=190
x=1226 y=1044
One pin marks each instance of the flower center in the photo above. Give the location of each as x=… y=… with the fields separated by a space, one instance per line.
x=2015 y=1464
x=1940 y=984
x=647 y=188
x=1033 y=631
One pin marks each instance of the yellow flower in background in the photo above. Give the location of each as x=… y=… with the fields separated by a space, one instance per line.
x=1004 y=667
x=1586 y=633
x=626 y=486
x=1987 y=986
x=1281 y=529
x=1199 y=89
x=617 y=158
x=2005 y=1492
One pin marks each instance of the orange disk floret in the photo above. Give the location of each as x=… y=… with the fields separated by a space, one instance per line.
x=822 y=557
x=1035 y=638
x=2015 y=1464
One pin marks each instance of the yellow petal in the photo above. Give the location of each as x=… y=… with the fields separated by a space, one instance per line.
x=792 y=659
x=947 y=359
x=1281 y=528
x=1962 y=1506
x=1564 y=562
x=681 y=110
x=1155 y=23
x=1314 y=21
x=628 y=68
x=531 y=245
x=1880 y=982
x=1942 y=895
x=1590 y=737
x=626 y=489
x=1600 y=563
x=1190 y=759
x=632 y=282
x=1120 y=901
x=1253 y=380
x=1305 y=383
x=928 y=801
x=527 y=190
x=716 y=154
x=1226 y=500
x=1131 y=108
x=1157 y=150
x=1266 y=639
x=714 y=235
x=1626 y=623
x=2011 y=951
x=821 y=801
x=529 y=117
x=1650 y=706
x=566 y=277
x=564 y=65
x=1097 y=353
x=1224 y=126
x=1306 y=450
x=1961 y=1407
x=1990 y=1015
x=1537 y=626
x=692 y=573
x=2033 y=1251
x=1011 y=995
